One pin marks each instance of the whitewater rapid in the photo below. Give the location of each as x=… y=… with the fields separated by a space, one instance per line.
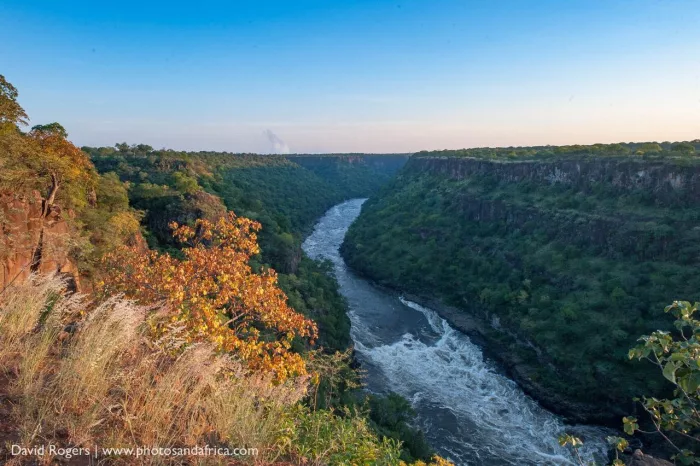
x=469 y=411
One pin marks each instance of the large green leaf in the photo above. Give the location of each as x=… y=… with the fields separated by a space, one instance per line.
x=690 y=383
x=670 y=371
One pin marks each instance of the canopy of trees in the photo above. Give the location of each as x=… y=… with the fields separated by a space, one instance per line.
x=652 y=150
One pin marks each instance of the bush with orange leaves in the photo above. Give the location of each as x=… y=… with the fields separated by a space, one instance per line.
x=212 y=294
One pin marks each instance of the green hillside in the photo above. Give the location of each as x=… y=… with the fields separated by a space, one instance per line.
x=566 y=255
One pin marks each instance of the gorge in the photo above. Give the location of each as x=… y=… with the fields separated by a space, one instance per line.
x=498 y=294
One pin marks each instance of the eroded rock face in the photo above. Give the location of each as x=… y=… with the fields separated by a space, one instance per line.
x=640 y=459
x=665 y=180
x=31 y=242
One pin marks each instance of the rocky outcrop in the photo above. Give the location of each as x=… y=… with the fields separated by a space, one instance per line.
x=640 y=459
x=31 y=242
x=617 y=236
x=666 y=180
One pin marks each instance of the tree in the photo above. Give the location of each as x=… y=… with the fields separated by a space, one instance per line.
x=142 y=148
x=15 y=148
x=214 y=295
x=111 y=223
x=650 y=148
x=11 y=113
x=183 y=183
x=122 y=147
x=683 y=147
x=54 y=128
x=62 y=163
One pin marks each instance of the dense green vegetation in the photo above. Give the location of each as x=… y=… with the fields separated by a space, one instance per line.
x=577 y=268
x=391 y=416
x=646 y=150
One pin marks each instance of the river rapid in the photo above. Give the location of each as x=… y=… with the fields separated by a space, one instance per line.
x=469 y=411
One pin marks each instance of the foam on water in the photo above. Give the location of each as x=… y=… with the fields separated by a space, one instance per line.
x=469 y=411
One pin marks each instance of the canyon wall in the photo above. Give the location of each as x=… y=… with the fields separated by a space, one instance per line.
x=32 y=241
x=663 y=178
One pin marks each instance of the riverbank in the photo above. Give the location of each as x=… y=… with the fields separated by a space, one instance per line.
x=478 y=330
x=481 y=331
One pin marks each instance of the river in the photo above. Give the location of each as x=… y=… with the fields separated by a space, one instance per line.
x=469 y=411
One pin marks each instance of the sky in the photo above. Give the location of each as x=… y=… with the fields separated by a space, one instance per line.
x=356 y=75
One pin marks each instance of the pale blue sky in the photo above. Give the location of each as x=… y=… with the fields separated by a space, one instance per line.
x=374 y=76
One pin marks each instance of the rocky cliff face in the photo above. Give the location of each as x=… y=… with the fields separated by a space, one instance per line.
x=639 y=234
x=31 y=241
x=616 y=236
x=665 y=180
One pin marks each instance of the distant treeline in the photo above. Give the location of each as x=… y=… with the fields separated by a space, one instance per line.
x=644 y=149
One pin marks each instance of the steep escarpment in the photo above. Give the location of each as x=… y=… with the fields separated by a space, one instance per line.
x=57 y=214
x=564 y=261
x=667 y=180
x=31 y=240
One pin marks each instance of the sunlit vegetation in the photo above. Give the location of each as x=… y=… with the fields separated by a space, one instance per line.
x=43 y=160
x=284 y=196
x=87 y=374
x=214 y=296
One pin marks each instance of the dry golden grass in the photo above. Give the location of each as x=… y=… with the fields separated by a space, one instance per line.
x=85 y=375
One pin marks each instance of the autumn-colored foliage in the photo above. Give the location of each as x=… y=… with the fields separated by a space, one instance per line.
x=11 y=113
x=61 y=161
x=213 y=294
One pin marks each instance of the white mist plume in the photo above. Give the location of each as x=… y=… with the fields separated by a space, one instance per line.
x=278 y=145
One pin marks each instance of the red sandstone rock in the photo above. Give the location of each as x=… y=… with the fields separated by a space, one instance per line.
x=31 y=243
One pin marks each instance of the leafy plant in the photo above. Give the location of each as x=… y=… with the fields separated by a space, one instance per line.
x=676 y=420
